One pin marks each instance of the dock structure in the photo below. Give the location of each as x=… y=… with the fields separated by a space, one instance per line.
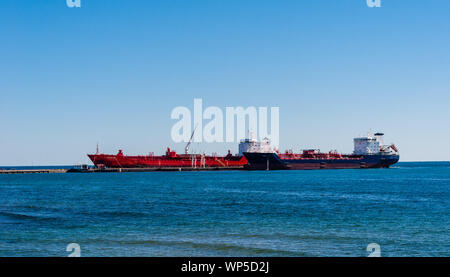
x=109 y=170
x=29 y=171
x=153 y=169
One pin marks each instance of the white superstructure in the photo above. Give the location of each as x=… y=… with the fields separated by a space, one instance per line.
x=252 y=145
x=373 y=144
x=367 y=145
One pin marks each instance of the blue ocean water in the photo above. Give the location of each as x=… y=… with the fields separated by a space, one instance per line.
x=405 y=209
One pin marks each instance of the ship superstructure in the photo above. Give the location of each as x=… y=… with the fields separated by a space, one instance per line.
x=252 y=145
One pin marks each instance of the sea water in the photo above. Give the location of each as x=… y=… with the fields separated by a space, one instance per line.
x=405 y=210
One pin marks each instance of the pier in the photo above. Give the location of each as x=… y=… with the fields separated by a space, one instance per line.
x=153 y=169
x=109 y=170
x=30 y=171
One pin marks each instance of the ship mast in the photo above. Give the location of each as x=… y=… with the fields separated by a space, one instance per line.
x=186 y=149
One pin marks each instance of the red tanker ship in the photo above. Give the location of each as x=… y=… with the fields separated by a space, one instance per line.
x=170 y=159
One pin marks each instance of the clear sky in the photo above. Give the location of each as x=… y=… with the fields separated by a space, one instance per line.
x=112 y=71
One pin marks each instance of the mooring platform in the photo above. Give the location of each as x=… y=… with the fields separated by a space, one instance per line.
x=29 y=171
x=107 y=170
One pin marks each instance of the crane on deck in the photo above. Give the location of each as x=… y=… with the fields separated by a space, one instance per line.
x=186 y=149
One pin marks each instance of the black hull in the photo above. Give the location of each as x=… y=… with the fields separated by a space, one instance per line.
x=271 y=161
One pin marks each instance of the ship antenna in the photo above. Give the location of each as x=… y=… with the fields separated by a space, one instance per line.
x=186 y=149
x=97 y=149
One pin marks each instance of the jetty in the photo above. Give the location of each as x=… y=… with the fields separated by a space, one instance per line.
x=110 y=170
x=152 y=169
x=29 y=171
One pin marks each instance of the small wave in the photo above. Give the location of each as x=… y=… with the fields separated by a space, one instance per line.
x=241 y=191
x=117 y=214
x=24 y=216
x=249 y=250
x=330 y=195
x=296 y=237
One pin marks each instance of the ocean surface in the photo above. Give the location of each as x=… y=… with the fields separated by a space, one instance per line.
x=404 y=209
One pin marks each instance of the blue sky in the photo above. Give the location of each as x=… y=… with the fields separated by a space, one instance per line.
x=112 y=71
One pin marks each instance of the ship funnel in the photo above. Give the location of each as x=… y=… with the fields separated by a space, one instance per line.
x=379 y=138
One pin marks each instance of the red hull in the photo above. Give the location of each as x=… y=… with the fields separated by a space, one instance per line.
x=171 y=159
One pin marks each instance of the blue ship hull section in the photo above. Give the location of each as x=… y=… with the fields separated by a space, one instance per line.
x=271 y=161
